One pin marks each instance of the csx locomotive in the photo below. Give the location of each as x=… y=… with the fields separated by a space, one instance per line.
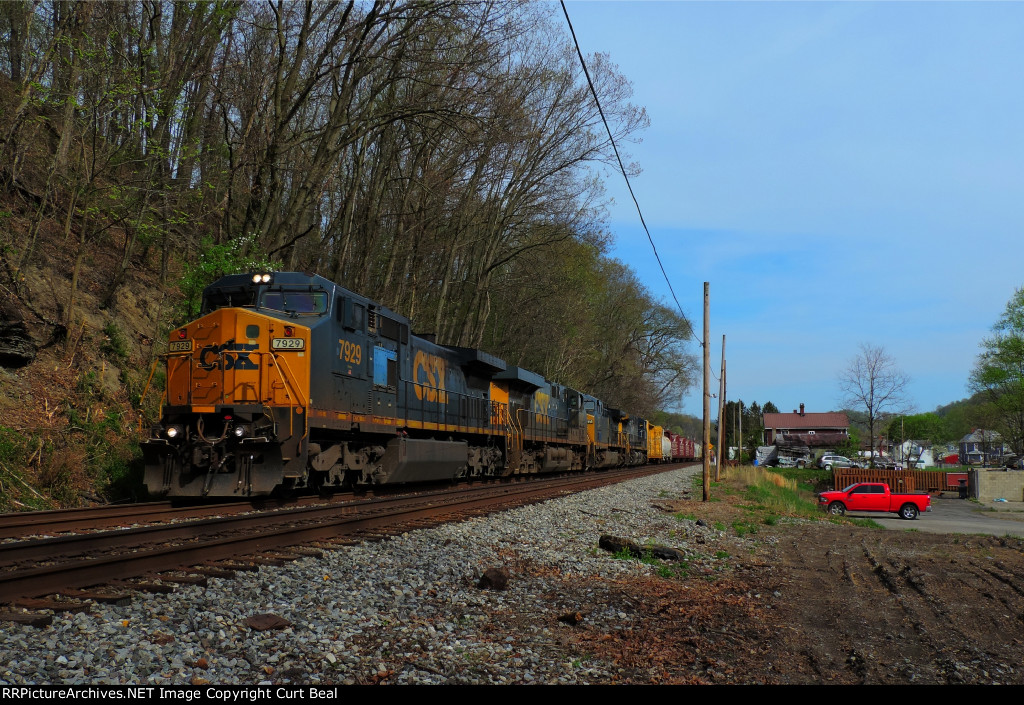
x=288 y=380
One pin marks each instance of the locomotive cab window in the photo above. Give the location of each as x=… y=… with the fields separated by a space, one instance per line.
x=304 y=302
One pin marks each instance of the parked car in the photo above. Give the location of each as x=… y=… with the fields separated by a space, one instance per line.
x=873 y=497
x=828 y=462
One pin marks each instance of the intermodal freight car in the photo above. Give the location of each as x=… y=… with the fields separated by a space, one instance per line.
x=288 y=380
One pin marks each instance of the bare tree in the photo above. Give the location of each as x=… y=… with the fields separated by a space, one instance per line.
x=874 y=383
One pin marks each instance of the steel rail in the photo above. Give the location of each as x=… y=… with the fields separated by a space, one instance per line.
x=308 y=524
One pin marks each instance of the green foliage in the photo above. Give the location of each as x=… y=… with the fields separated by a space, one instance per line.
x=742 y=528
x=648 y=557
x=215 y=261
x=13 y=447
x=88 y=384
x=999 y=372
x=115 y=344
x=17 y=452
x=851 y=446
x=786 y=499
x=808 y=479
x=111 y=457
x=623 y=554
x=683 y=424
x=753 y=424
x=927 y=427
x=594 y=326
x=674 y=570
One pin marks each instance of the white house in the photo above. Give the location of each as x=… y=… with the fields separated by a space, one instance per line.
x=914 y=454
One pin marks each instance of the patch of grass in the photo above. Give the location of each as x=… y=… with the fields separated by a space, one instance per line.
x=623 y=554
x=685 y=517
x=648 y=558
x=774 y=494
x=88 y=384
x=678 y=570
x=113 y=459
x=743 y=528
x=18 y=487
x=13 y=446
x=771 y=520
x=719 y=526
x=866 y=523
x=721 y=554
x=115 y=343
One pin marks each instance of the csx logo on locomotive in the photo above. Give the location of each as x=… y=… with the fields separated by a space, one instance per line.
x=229 y=356
x=429 y=371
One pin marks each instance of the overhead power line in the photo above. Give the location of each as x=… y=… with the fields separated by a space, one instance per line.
x=622 y=168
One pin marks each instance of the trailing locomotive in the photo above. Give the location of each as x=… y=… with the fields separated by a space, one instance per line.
x=289 y=380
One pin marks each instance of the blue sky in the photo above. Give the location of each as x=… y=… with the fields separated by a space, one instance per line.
x=840 y=172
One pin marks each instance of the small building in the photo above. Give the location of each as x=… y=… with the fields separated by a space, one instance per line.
x=982 y=447
x=816 y=430
x=914 y=453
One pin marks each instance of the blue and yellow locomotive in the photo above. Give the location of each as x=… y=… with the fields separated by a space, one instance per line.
x=288 y=380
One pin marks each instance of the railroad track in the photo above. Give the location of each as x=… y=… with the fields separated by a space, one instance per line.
x=108 y=565
x=46 y=523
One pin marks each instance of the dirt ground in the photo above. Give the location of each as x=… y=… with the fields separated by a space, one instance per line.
x=814 y=602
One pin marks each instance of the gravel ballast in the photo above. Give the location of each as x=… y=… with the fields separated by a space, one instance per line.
x=404 y=610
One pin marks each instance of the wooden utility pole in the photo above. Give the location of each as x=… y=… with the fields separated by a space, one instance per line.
x=721 y=418
x=706 y=441
x=739 y=410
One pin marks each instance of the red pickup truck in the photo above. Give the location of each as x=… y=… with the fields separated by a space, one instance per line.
x=873 y=497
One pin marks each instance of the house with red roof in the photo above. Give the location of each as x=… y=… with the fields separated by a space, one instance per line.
x=816 y=430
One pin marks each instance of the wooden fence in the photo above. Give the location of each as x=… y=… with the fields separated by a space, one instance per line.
x=900 y=480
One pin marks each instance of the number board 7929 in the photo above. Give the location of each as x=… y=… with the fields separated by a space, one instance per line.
x=287 y=344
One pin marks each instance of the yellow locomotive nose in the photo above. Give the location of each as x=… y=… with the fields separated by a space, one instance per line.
x=235 y=418
x=234 y=356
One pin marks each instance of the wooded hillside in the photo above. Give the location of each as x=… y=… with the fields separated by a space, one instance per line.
x=444 y=158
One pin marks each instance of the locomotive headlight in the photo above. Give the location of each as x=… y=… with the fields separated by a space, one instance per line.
x=261 y=278
x=173 y=431
x=240 y=431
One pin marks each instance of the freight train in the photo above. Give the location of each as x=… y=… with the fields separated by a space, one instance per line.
x=287 y=381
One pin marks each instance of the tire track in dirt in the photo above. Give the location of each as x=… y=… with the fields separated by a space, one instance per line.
x=888 y=607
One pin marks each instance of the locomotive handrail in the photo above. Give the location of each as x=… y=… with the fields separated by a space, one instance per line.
x=547 y=430
x=518 y=427
x=183 y=357
x=296 y=394
x=457 y=409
